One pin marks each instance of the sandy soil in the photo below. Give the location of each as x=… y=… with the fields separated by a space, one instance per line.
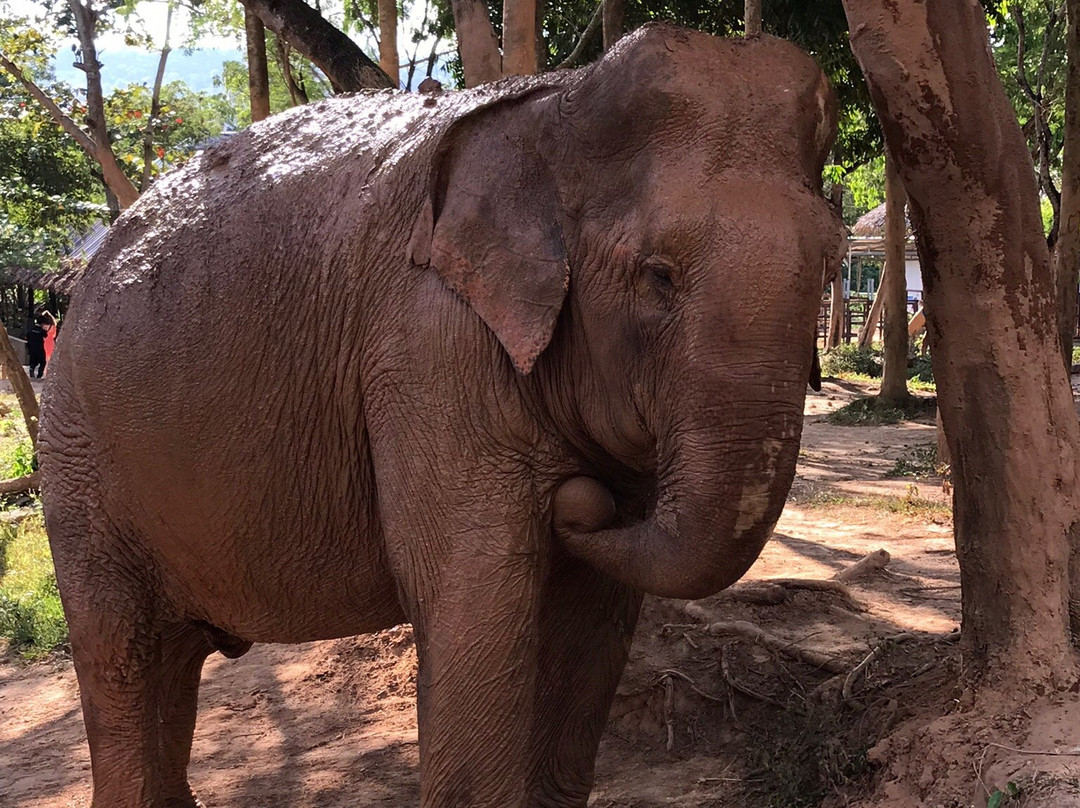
x=705 y=715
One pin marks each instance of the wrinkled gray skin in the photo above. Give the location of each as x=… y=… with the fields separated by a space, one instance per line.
x=493 y=363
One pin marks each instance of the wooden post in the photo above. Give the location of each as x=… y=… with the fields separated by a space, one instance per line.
x=894 y=290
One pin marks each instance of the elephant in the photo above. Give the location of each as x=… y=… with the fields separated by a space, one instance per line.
x=495 y=362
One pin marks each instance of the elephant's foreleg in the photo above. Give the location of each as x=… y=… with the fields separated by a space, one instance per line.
x=184 y=648
x=477 y=640
x=586 y=626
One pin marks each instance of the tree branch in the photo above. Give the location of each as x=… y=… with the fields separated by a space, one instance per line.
x=309 y=33
x=155 y=104
x=586 y=35
x=50 y=106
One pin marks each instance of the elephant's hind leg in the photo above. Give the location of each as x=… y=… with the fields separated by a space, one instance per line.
x=184 y=648
x=117 y=660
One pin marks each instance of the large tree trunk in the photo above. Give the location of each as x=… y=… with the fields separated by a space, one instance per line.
x=480 y=59
x=258 y=74
x=1068 y=246
x=894 y=291
x=519 y=38
x=348 y=68
x=990 y=298
x=614 y=12
x=388 y=49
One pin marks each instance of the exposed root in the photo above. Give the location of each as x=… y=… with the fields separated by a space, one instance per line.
x=867 y=565
x=757 y=634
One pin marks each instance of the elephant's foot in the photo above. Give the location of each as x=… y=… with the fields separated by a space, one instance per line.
x=184 y=801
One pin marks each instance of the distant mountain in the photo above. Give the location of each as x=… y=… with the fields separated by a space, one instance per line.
x=123 y=66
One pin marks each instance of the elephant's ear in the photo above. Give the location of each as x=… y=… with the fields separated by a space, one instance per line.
x=489 y=228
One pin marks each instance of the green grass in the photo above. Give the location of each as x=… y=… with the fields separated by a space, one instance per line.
x=31 y=617
x=872 y=412
x=909 y=505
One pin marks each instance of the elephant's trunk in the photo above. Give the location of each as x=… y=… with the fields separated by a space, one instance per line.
x=724 y=475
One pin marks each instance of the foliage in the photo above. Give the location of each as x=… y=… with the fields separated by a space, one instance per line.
x=47 y=187
x=19 y=460
x=849 y=359
x=31 y=616
x=918 y=461
x=921 y=368
x=865 y=189
x=1076 y=356
x=873 y=412
x=911 y=504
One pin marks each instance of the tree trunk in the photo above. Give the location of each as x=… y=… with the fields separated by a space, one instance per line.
x=20 y=383
x=1005 y=400
x=614 y=12
x=1068 y=246
x=894 y=291
x=258 y=74
x=873 y=317
x=307 y=32
x=388 y=50
x=155 y=105
x=297 y=93
x=519 y=38
x=115 y=178
x=753 y=17
x=479 y=49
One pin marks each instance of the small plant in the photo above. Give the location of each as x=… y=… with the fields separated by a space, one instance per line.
x=921 y=368
x=919 y=462
x=1076 y=356
x=865 y=412
x=850 y=360
x=999 y=798
x=19 y=460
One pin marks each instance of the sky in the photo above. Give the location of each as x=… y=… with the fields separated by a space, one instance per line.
x=124 y=65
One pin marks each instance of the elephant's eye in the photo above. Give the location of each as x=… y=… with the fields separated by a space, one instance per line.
x=656 y=279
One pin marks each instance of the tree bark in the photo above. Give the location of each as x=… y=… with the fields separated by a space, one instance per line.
x=86 y=27
x=873 y=317
x=1005 y=400
x=614 y=13
x=388 y=49
x=258 y=73
x=753 y=17
x=1068 y=246
x=308 y=32
x=20 y=383
x=480 y=59
x=519 y=38
x=894 y=291
x=155 y=105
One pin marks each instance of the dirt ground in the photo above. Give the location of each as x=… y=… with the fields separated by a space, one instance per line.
x=707 y=714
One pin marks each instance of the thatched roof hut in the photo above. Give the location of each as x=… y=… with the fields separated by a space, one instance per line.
x=872 y=224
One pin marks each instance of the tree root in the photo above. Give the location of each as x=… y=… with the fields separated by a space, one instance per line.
x=742 y=628
x=868 y=564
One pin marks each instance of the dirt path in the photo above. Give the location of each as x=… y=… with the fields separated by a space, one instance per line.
x=332 y=724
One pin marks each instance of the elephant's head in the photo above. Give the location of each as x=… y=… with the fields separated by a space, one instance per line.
x=652 y=238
